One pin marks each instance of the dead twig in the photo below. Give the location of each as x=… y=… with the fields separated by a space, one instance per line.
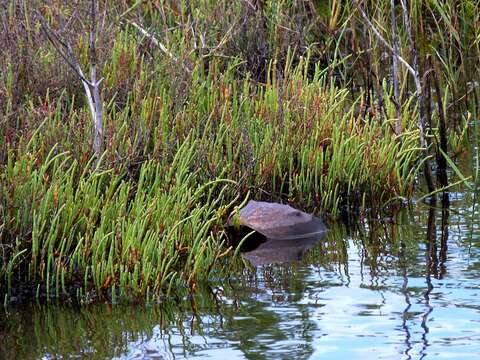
x=420 y=96
x=382 y=39
x=157 y=43
x=92 y=86
x=395 y=73
x=414 y=71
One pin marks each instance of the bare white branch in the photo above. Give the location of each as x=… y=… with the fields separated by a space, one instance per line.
x=92 y=86
x=157 y=43
x=414 y=70
x=382 y=39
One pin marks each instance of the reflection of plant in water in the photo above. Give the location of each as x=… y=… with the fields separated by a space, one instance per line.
x=264 y=307
x=105 y=331
x=102 y=331
x=384 y=245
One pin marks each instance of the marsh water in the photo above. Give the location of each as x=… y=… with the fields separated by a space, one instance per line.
x=406 y=287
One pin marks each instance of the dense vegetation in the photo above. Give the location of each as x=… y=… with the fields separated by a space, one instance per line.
x=206 y=104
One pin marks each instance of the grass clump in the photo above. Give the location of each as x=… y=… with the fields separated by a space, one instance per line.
x=66 y=225
x=277 y=100
x=133 y=230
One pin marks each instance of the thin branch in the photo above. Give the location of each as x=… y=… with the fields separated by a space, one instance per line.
x=420 y=95
x=442 y=119
x=91 y=87
x=395 y=73
x=66 y=53
x=382 y=39
x=223 y=41
x=65 y=50
x=414 y=71
x=415 y=68
x=94 y=89
x=158 y=44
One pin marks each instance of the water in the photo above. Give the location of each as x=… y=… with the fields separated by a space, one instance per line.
x=400 y=288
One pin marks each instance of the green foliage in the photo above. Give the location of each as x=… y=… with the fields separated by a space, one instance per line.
x=145 y=231
x=282 y=102
x=97 y=231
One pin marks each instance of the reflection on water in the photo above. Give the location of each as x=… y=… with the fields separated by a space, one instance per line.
x=406 y=288
x=282 y=251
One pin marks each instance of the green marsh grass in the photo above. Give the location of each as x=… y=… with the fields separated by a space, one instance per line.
x=291 y=103
x=129 y=234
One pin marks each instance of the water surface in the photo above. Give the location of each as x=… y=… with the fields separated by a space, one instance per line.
x=401 y=288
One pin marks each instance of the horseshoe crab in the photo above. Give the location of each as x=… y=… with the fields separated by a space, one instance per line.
x=283 y=233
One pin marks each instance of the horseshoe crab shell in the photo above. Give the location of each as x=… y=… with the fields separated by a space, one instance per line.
x=279 y=222
x=285 y=233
